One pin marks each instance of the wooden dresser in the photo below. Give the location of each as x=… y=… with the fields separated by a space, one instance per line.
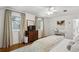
x=32 y=36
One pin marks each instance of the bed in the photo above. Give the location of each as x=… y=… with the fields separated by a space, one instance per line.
x=67 y=45
x=62 y=46
x=52 y=44
x=42 y=45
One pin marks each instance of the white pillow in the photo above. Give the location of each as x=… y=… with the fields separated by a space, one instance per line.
x=75 y=47
x=70 y=45
x=76 y=38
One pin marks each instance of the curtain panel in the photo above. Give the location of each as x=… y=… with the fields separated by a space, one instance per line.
x=22 y=28
x=7 y=34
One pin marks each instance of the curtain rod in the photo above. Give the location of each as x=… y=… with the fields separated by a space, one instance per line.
x=14 y=11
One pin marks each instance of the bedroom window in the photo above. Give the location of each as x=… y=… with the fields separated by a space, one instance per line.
x=76 y=26
x=16 y=20
x=40 y=24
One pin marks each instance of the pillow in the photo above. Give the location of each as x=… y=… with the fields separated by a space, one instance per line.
x=76 y=38
x=70 y=45
x=75 y=47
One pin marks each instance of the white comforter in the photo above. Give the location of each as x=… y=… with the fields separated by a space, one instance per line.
x=45 y=44
x=41 y=45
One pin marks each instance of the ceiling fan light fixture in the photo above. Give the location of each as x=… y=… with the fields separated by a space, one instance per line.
x=49 y=13
x=51 y=10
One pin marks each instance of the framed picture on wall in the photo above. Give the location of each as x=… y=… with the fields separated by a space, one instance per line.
x=62 y=22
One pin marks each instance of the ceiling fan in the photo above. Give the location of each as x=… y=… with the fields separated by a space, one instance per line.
x=51 y=10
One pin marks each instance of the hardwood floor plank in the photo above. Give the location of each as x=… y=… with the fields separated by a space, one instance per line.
x=16 y=46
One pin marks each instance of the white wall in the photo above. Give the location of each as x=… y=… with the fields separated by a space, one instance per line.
x=1 y=25
x=29 y=17
x=50 y=25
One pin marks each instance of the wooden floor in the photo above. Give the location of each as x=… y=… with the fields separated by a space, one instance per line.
x=13 y=47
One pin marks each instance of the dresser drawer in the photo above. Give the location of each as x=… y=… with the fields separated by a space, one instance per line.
x=32 y=36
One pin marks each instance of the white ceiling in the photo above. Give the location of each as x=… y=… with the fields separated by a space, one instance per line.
x=41 y=11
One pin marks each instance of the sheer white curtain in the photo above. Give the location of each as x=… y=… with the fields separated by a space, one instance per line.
x=22 y=28
x=7 y=34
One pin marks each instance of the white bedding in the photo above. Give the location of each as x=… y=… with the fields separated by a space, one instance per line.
x=41 y=45
x=62 y=46
x=45 y=44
